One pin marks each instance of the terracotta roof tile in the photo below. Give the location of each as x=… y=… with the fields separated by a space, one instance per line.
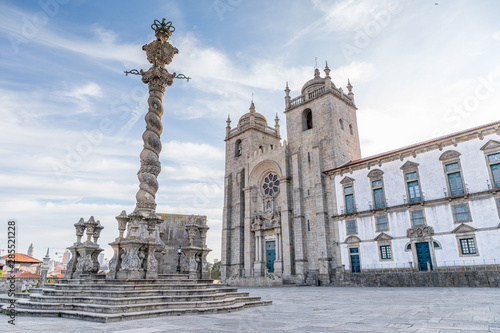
x=20 y=257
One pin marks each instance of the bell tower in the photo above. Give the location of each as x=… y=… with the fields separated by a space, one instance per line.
x=322 y=134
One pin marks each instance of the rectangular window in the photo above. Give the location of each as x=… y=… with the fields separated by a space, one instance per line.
x=468 y=246
x=349 y=199
x=417 y=217
x=452 y=167
x=385 y=252
x=494 y=158
x=351 y=227
x=411 y=175
x=495 y=172
x=455 y=182
x=354 y=250
x=378 y=197
x=461 y=213
x=414 y=191
x=382 y=223
x=377 y=183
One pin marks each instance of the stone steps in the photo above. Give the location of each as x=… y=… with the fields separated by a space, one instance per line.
x=115 y=300
x=142 y=299
x=127 y=308
x=130 y=293
x=108 y=318
x=125 y=287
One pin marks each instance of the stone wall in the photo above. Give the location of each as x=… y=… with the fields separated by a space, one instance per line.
x=173 y=233
x=419 y=279
x=20 y=284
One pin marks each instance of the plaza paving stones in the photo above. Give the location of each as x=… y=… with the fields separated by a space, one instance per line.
x=317 y=309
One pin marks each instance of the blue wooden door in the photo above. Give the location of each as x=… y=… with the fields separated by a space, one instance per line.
x=423 y=255
x=355 y=266
x=270 y=255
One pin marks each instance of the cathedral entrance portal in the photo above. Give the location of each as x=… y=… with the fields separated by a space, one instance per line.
x=270 y=255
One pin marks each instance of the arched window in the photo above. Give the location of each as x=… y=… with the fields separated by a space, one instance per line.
x=237 y=148
x=350 y=128
x=341 y=124
x=307 y=120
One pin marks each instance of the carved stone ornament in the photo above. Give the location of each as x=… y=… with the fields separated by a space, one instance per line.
x=347 y=181
x=376 y=173
x=492 y=144
x=420 y=231
x=463 y=228
x=448 y=155
x=409 y=166
x=383 y=237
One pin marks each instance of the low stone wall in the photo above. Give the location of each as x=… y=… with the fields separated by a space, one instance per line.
x=21 y=284
x=258 y=281
x=419 y=279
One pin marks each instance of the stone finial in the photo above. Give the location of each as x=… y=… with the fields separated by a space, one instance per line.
x=228 y=127
x=327 y=70
x=97 y=231
x=287 y=97
x=316 y=73
x=349 y=88
x=252 y=108
x=90 y=224
x=277 y=125
x=122 y=223
x=80 y=229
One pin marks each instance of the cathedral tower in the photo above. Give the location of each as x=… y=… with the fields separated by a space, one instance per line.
x=252 y=135
x=322 y=134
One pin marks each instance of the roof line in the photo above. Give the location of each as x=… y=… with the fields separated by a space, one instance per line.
x=415 y=145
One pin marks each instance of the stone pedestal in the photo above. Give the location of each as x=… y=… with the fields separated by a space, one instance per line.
x=84 y=256
x=278 y=267
x=197 y=262
x=258 y=268
x=135 y=254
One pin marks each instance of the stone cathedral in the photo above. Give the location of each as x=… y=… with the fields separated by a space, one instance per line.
x=277 y=198
x=310 y=209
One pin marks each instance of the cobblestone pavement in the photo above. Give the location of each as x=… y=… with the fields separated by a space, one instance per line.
x=317 y=309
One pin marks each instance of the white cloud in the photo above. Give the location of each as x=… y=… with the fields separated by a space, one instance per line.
x=105 y=36
x=496 y=35
x=90 y=89
x=346 y=15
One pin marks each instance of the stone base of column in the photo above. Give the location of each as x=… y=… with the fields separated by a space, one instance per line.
x=324 y=270
x=258 y=268
x=300 y=270
x=126 y=274
x=278 y=267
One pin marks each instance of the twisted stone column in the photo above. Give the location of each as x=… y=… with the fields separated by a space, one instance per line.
x=159 y=53
x=134 y=254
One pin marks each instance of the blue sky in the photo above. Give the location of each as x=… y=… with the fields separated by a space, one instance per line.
x=71 y=127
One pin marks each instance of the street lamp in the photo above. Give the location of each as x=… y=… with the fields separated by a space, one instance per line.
x=179 y=252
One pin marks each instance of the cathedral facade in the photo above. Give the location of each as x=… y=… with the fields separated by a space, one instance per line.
x=289 y=205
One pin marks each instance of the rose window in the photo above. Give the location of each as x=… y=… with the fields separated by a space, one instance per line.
x=271 y=185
